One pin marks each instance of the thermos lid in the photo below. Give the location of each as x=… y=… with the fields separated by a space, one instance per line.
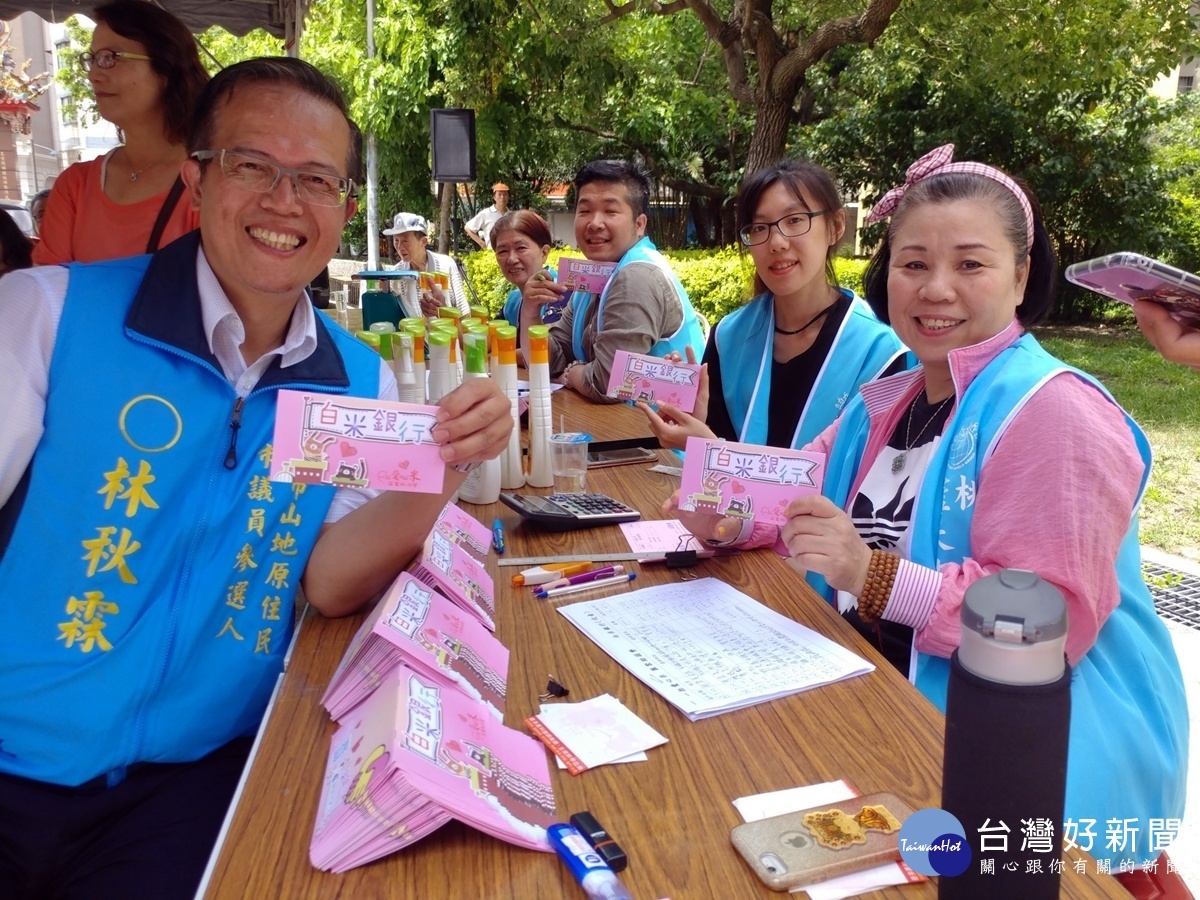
x=1015 y=606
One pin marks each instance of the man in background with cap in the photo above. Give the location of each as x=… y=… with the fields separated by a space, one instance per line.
x=479 y=229
x=410 y=237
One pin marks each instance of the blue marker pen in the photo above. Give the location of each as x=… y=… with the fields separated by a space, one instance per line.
x=598 y=881
x=498 y=535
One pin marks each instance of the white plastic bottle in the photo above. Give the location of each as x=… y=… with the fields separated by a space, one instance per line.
x=483 y=483
x=541 y=426
x=512 y=475
x=417 y=330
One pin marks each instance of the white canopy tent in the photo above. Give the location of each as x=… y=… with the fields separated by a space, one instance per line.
x=280 y=17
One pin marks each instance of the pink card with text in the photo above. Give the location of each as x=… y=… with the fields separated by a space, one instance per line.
x=354 y=442
x=446 y=565
x=584 y=274
x=747 y=480
x=636 y=377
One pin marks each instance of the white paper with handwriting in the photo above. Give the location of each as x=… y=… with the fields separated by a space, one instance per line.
x=708 y=648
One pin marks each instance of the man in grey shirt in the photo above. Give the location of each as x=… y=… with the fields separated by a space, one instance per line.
x=643 y=309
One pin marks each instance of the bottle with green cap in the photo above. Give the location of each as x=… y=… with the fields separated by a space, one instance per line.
x=385 y=330
x=440 y=383
x=416 y=329
x=483 y=482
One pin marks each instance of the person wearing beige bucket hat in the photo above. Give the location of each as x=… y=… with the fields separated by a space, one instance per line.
x=410 y=237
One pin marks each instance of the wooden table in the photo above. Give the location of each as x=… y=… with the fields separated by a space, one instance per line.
x=672 y=813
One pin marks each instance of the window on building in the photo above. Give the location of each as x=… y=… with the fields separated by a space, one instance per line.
x=1186 y=83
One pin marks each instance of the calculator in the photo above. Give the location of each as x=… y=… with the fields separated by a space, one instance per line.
x=564 y=512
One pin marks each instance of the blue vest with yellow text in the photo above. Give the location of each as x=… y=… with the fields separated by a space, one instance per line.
x=151 y=569
x=1127 y=757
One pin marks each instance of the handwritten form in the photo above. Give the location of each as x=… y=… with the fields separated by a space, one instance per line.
x=707 y=648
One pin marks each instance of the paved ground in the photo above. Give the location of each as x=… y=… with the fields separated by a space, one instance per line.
x=1186 y=850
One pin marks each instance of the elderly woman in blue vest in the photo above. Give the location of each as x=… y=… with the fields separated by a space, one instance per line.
x=780 y=368
x=521 y=241
x=994 y=454
x=644 y=308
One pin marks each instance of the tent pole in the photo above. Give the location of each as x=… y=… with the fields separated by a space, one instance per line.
x=372 y=164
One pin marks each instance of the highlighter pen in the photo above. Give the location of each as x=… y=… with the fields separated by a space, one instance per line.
x=598 y=881
x=575 y=588
x=549 y=572
x=498 y=535
x=582 y=578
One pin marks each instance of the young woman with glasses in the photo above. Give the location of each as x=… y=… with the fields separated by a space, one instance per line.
x=780 y=368
x=146 y=74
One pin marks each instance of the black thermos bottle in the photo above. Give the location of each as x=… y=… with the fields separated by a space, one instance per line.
x=1008 y=714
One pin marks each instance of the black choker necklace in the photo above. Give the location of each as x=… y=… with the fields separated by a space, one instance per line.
x=810 y=322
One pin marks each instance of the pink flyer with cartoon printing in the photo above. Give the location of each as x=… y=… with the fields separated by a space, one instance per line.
x=636 y=377
x=584 y=274
x=462 y=528
x=354 y=442
x=749 y=481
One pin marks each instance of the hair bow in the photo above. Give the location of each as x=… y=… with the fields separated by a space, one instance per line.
x=939 y=162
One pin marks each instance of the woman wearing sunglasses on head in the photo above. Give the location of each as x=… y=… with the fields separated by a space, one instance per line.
x=145 y=72
x=779 y=369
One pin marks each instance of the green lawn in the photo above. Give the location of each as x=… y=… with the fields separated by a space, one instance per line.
x=1165 y=399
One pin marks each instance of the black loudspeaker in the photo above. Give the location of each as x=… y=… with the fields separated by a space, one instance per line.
x=452 y=138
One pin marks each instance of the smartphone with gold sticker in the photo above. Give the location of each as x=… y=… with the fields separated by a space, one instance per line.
x=817 y=844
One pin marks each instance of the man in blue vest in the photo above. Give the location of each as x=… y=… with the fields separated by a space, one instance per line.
x=643 y=309
x=148 y=565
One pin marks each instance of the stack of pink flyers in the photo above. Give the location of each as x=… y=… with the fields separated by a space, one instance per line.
x=465 y=529
x=444 y=564
x=416 y=626
x=415 y=755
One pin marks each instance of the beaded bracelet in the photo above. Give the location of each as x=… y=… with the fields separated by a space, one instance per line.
x=877 y=589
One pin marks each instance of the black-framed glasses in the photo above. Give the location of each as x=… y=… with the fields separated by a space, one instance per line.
x=261 y=176
x=791 y=225
x=105 y=59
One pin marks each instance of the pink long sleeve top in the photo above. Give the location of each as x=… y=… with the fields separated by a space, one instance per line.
x=1055 y=497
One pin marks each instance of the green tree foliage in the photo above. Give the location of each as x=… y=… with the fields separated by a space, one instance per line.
x=1075 y=125
x=77 y=102
x=1175 y=144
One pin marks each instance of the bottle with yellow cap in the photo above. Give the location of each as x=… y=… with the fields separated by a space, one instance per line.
x=416 y=330
x=511 y=474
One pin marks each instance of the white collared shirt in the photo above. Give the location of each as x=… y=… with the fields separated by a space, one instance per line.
x=31 y=306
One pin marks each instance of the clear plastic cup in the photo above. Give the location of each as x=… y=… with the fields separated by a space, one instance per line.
x=568 y=456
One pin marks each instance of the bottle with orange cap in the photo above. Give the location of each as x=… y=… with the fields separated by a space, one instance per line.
x=511 y=474
x=541 y=469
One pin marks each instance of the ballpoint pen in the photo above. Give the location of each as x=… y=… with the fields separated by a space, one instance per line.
x=571 y=589
x=498 y=535
x=582 y=578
